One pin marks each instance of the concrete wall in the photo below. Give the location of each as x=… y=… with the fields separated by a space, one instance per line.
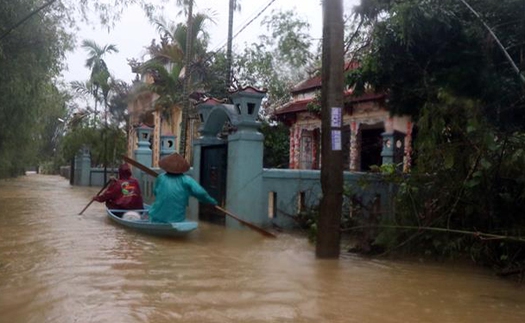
x=260 y=196
x=286 y=192
x=96 y=175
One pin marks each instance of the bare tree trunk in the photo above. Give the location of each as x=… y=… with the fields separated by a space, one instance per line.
x=187 y=80
x=328 y=235
x=230 y=44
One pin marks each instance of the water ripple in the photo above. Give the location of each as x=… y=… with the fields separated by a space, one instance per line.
x=56 y=266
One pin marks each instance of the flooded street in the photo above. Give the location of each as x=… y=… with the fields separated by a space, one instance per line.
x=57 y=266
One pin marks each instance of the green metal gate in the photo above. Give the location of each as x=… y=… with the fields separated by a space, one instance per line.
x=213 y=179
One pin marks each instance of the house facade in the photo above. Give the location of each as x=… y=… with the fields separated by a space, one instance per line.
x=371 y=135
x=164 y=127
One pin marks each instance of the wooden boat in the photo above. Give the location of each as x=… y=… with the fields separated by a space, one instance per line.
x=144 y=225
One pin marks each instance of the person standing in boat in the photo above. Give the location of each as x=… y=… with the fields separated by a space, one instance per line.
x=123 y=193
x=173 y=189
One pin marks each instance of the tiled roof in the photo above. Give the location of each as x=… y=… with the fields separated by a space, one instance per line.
x=365 y=97
x=315 y=82
x=301 y=105
x=294 y=106
x=312 y=83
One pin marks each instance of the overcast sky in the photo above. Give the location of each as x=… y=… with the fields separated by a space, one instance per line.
x=132 y=33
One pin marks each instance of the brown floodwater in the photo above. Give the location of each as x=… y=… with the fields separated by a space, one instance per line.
x=57 y=266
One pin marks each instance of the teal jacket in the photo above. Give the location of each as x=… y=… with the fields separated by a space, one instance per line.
x=172 y=192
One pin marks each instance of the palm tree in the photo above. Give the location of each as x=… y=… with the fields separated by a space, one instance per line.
x=167 y=84
x=175 y=35
x=85 y=89
x=118 y=105
x=95 y=60
x=99 y=71
x=199 y=54
x=100 y=78
x=192 y=42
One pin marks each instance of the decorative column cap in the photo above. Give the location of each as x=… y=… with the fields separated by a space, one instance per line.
x=143 y=126
x=211 y=101
x=249 y=89
x=247 y=102
x=167 y=144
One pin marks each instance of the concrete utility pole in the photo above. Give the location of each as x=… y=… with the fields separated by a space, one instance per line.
x=230 y=43
x=186 y=106
x=328 y=235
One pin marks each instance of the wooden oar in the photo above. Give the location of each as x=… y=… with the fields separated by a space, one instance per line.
x=248 y=224
x=140 y=166
x=252 y=226
x=101 y=190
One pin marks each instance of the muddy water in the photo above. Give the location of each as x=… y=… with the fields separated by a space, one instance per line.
x=56 y=266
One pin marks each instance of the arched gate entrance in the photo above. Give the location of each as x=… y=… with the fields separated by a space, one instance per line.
x=227 y=158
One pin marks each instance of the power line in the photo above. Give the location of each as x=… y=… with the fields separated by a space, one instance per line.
x=225 y=40
x=248 y=23
x=31 y=14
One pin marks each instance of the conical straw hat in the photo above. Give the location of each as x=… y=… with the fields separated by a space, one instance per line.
x=174 y=164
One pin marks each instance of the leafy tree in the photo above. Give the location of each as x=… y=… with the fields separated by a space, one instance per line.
x=176 y=34
x=100 y=76
x=276 y=145
x=108 y=12
x=52 y=109
x=435 y=45
x=85 y=136
x=168 y=61
x=439 y=63
x=118 y=103
x=213 y=73
x=34 y=37
x=281 y=57
x=167 y=84
x=101 y=82
x=30 y=58
x=168 y=65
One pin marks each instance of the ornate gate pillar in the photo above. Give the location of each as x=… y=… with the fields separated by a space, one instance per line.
x=245 y=160
x=143 y=153
x=244 y=168
x=82 y=167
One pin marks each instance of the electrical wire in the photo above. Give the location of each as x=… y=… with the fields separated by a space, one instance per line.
x=247 y=24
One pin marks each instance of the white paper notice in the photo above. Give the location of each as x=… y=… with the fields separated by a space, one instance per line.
x=336 y=114
x=336 y=139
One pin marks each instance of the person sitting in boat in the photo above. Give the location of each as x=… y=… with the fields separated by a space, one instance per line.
x=123 y=193
x=173 y=189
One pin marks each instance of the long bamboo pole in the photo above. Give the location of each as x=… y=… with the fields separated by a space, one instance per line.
x=481 y=235
x=496 y=39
